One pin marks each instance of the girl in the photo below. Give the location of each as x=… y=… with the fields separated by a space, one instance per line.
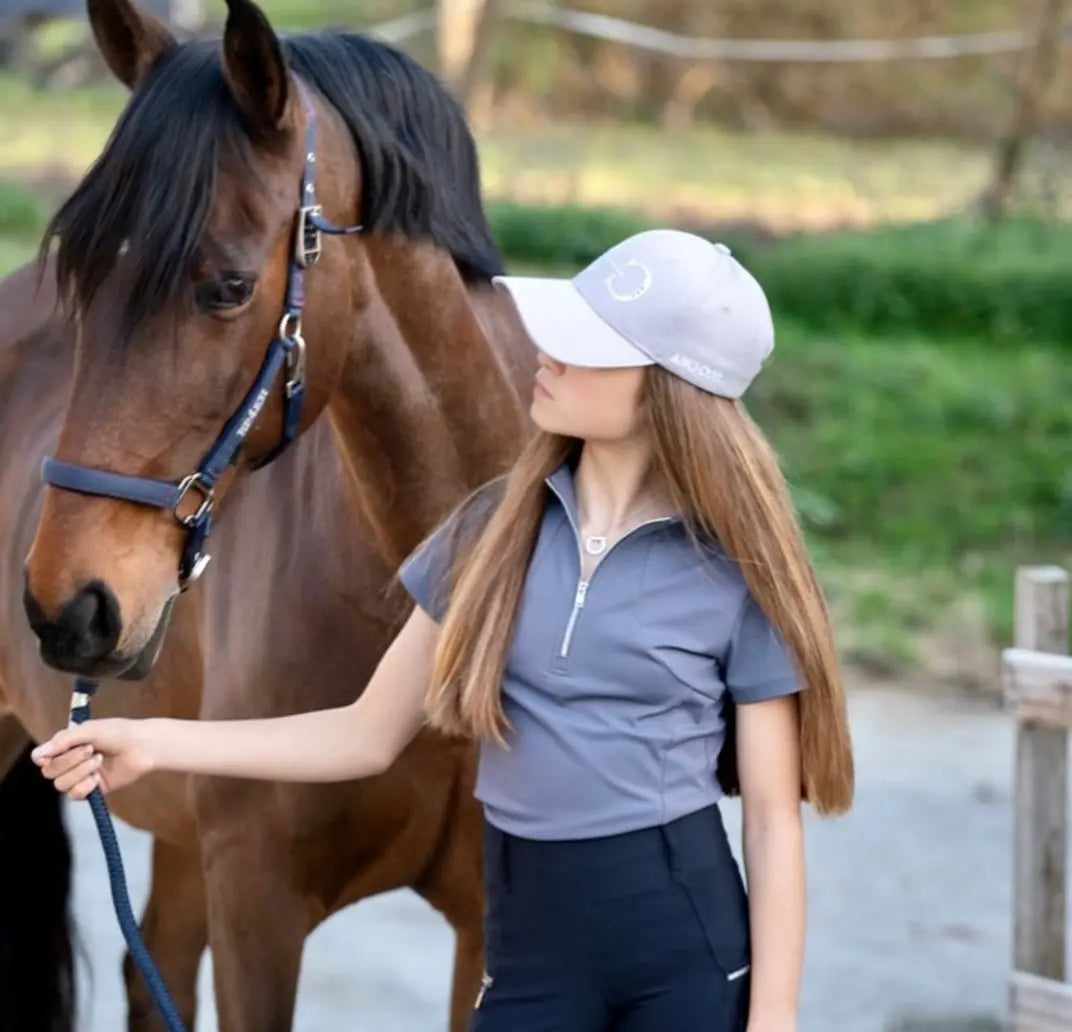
x=629 y=625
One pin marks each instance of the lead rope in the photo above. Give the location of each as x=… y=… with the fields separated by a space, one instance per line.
x=79 y=714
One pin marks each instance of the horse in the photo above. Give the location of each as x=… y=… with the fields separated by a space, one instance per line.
x=187 y=250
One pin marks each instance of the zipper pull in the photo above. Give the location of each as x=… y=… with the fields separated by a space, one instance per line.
x=582 y=590
x=486 y=982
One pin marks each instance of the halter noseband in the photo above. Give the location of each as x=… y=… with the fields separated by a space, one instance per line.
x=287 y=348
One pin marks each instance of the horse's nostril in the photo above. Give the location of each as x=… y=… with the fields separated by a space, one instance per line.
x=92 y=621
x=87 y=628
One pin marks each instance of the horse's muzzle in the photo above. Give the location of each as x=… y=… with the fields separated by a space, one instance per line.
x=83 y=638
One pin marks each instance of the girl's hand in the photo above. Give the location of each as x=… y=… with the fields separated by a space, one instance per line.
x=104 y=754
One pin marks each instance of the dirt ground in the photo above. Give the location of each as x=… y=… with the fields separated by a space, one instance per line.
x=909 y=896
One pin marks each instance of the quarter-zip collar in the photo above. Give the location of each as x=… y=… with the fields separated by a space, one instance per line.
x=561 y=484
x=563 y=487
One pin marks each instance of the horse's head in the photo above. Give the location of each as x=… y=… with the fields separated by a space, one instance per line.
x=184 y=253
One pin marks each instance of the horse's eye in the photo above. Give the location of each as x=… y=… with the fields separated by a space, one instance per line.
x=227 y=291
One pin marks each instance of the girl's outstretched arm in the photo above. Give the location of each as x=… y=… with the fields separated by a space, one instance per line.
x=353 y=741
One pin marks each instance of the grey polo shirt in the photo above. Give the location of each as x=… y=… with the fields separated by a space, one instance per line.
x=614 y=686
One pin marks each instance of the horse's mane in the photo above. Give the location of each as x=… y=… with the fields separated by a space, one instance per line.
x=148 y=195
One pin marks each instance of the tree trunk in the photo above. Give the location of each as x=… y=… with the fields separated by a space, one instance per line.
x=462 y=33
x=485 y=30
x=1038 y=66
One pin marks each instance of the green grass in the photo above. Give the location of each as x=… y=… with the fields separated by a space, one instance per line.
x=999 y=283
x=22 y=218
x=924 y=472
x=22 y=214
x=783 y=180
x=1005 y=283
x=54 y=130
x=13 y=253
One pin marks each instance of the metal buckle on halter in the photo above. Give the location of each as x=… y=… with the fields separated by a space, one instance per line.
x=199 y=568
x=290 y=330
x=307 y=239
x=208 y=499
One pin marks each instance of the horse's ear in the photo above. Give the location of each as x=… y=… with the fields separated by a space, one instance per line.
x=130 y=39
x=254 y=66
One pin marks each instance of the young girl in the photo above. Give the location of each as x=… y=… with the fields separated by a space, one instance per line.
x=629 y=625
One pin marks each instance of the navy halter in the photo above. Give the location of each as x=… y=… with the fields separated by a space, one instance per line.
x=287 y=348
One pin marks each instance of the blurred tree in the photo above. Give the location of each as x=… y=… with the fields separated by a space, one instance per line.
x=1038 y=67
x=21 y=21
x=18 y=50
x=549 y=71
x=463 y=34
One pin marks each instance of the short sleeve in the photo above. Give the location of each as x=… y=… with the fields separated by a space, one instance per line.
x=758 y=667
x=426 y=572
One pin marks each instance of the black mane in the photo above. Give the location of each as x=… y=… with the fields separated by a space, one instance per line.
x=149 y=192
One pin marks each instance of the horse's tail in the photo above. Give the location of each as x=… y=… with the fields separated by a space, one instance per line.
x=36 y=932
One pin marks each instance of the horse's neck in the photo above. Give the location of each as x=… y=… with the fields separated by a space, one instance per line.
x=428 y=405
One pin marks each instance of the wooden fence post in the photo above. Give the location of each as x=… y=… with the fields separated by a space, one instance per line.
x=1040 y=808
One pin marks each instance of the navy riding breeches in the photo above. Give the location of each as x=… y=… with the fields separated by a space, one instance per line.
x=645 y=931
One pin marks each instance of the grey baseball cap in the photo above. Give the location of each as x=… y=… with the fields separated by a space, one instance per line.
x=662 y=297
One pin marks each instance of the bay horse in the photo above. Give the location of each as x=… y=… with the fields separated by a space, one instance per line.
x=174 y=258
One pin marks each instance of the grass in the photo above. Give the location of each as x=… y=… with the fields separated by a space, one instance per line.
x=22 y=214
x=13 y=253
x=60 y=130
x=998 y=283
x=783 y=180
x=925 y=473
x=22 y=218
x=1001 y=283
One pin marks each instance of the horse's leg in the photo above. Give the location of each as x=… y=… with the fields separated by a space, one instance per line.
x=36 y=956
x=13 y=739
x=175 y=928
x=453 y=884
x=259 y=920
x=456 y=902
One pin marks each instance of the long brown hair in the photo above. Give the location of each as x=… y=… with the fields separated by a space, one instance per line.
x=724 y=477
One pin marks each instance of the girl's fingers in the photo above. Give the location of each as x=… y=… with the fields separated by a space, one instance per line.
x=84 y=787
x=85 y=770
x=61 y=742
x=66 y=762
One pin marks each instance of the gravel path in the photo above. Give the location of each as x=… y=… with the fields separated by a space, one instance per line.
x=909 y=897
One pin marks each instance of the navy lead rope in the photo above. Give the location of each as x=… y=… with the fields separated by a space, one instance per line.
x=80 y=700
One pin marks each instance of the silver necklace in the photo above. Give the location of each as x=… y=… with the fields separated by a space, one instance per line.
x=595 y=544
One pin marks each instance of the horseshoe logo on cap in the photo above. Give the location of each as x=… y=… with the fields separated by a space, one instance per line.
x=628 y=286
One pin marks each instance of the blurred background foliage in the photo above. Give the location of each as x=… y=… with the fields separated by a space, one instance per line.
x=920 y=392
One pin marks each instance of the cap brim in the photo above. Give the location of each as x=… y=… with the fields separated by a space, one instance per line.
x=563 y=326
